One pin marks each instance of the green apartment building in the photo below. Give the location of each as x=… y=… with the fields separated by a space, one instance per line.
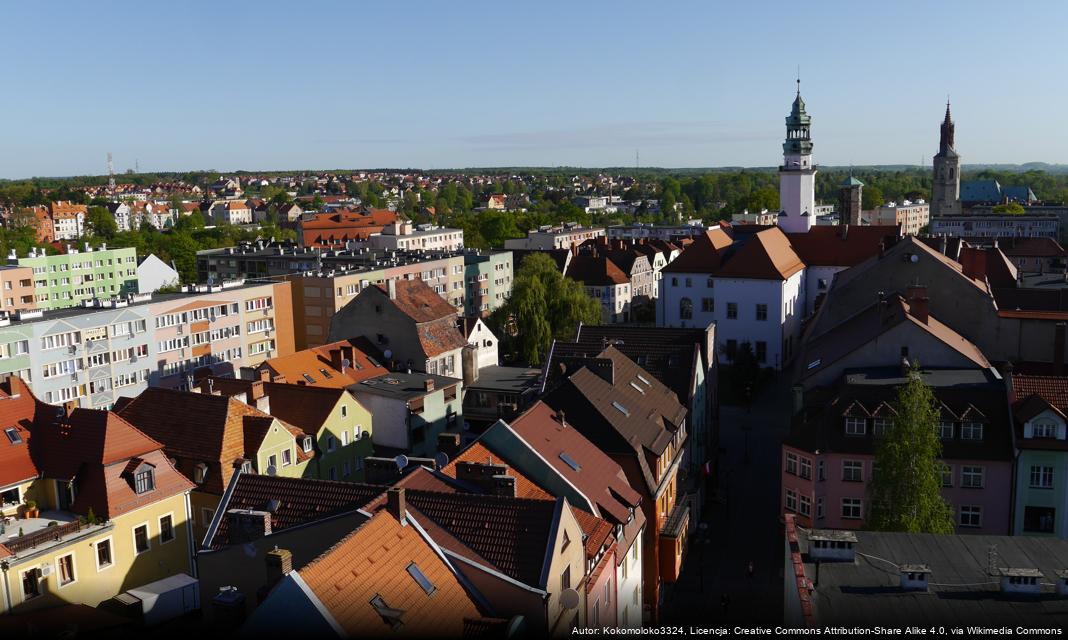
x=487 y=281
x=1039 y=411
x=67 y=280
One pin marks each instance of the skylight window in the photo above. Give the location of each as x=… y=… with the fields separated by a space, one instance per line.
x=569 y=461
x=642 y=378
x=13 y=435
x=637 y=388
x=815 y=363
x=309 y=378
x=621 y=408
x=417 y=574
x=325 y=373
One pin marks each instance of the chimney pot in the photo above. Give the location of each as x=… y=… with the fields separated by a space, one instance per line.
x=428 y=385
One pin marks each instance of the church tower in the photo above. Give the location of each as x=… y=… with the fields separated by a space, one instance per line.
x=945 y=197
x=797 y=175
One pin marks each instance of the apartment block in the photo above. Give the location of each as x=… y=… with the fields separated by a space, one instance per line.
x=488 y=278
x=103 y=349
x=71 y=278
x=16 y=289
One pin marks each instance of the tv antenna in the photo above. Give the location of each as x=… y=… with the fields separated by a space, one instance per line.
x=111 y=173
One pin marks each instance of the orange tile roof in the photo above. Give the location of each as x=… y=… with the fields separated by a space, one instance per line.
x=17 y=407
x=768 y=255
x=477 y=452
x=312 y=361
x=842 y=245
x=418 y=301
x=374 y=560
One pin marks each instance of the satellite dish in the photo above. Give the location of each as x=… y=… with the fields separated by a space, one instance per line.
x=388 y=353
x=569 y=599
x=402 y=462
x=441 y=459
x=249 y=549
x=914 y=258
x=271 y=470
x=346 y=363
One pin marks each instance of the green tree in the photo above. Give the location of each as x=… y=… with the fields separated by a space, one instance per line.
x=1011 y=208
x=497 y=226
x=543 y=305
x=871 y=197
x=906 y=491
x=101 y=223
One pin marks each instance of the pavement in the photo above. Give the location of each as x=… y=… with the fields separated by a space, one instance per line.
x=743 y=525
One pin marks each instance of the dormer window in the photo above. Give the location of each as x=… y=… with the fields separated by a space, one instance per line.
x=1044 y=428
x=200 y=472
x=246 y=466
x=856 y=426
x=144 y=476
x=971 y=431
x=307 y=444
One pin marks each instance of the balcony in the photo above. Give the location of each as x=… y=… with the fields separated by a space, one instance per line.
x=37 y=535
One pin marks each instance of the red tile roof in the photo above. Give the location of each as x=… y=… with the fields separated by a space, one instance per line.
x=478 y=452
x=842 y=245
x=1032 y=248
x=596 y=271
x=418 y=301
x=313 y=361
x=1052 y=389
x=17 y=409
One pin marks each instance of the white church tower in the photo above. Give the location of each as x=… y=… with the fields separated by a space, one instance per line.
x=797 y=175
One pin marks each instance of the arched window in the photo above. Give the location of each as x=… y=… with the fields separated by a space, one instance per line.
x=685 y=309
x=952 y=172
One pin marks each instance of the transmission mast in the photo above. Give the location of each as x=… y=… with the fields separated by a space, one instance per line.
x=111 y=174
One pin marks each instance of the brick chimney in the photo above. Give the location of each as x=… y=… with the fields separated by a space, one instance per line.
x=973 y=262
x=428 y=385
x=449 y=443
x=490 y=478
x=917 y=299
x=397 y=505
x=391 y=288
x=264 y=374
x=246 y=525
x=279 y=564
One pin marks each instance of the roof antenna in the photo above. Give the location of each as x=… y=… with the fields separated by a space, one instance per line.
x=799 y=80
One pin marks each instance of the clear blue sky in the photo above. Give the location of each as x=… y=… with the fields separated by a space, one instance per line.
x=270 y=85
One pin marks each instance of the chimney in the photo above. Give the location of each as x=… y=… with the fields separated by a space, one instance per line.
x=397 y=505
x=492 y=479
x=335 y=359
x=1058 y=348
x=279 y=564
x=391 y=286
x=917 y=298
x=264 y=374
x=449 y=443
x=428 y=385
x=914 y=577
x=560 y=417
x=246 y=525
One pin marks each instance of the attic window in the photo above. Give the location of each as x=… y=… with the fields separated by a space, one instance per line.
x=13 y=435
x=621 y=408
x=420 y=578
x=309 y=378
x=326 y=374
x=392 y=617
x=200 y=472
x=815 y=363
x=570 y=461
x=637 y=388
x=307 y=444
x=144 y=479
x=642 y=378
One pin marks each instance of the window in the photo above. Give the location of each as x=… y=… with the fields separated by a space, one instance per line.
x=805 y=506
x=761 y=351
x=971 y=477
x=166 y=529
x=421 y=579
x=206 y=515
x=819 y=507
x=31 y=583
x=145 y=480
x=945 y=429
x=103 y=554
x=333 y=473
x=947 y=475
x=971 y=431
x=637 y=595
x=13 y=435
x=272 y=463
x=856 y=426
x=881 y=426
x=732 y=349
x=1039 y=519
x=852 y=508
x=1041 y=477
x=140 y=534
x=708 y=305
x=732 y=310
x=852 y=471
x=762 y=312
x=565 y=542
x=791 y=500
x=689 y=282
x=685 y=309
x=307 y=444
x=1043 y=429
x=344 y=411
x=821 y=472
x=791 y=463
x=806 y=468
x=200 y=471
x=971 y=516
x=65 y=569
x=287 y=457
x=331 y=443
x=345 y=438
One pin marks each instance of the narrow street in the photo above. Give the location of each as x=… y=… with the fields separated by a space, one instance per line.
x=743 y=525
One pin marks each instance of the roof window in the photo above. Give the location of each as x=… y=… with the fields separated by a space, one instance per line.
x=309 y=378
x=642 y=378
x=570 y=461
x=621 y=408
x=420 y=578
x=637 y=388
x=13 y=435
